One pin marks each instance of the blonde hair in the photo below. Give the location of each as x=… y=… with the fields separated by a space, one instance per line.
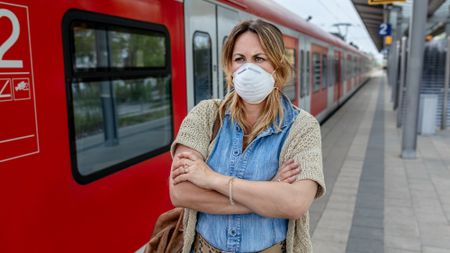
x=271 y=40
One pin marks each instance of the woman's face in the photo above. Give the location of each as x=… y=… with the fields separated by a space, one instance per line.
x=247 y=49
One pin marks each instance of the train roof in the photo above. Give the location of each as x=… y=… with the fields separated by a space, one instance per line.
x=277 y=13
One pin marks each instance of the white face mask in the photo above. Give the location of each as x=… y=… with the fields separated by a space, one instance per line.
x=252 y=83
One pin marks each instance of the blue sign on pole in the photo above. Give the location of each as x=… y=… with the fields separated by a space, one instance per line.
x=384 y=30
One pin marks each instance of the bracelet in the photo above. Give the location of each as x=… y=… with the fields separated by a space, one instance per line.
x=230 y=190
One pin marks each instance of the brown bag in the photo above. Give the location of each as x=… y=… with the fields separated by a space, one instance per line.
x=167 y=236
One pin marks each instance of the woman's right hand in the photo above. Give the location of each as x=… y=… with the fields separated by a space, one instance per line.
x=288 y=172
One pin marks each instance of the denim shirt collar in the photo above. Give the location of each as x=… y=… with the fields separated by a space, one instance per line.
x=290 y=112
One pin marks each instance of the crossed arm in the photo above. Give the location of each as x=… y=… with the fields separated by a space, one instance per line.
x=206 y=190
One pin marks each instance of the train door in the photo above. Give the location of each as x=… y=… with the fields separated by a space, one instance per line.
x=305 y=69
x=201 y=51
x=349 y=68
x=291 y=88
x=226 y=20
x=344 y=74
x=330 y=79
x=359 y=66
x=319 y=94
x=337 y=76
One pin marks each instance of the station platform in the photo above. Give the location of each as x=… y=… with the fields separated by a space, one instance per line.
x=376 y=201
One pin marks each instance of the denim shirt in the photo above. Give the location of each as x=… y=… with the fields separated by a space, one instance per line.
x=258 y=162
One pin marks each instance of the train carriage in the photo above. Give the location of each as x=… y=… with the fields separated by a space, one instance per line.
x=92 y=94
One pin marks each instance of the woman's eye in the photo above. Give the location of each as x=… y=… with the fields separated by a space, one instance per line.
x=239 y=59
x=259 y=59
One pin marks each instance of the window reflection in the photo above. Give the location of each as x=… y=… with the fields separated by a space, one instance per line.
x=316 y=71
x=308 y=72
x=202 y=67
x=324 y=71
x=289 y=89
x=119 y=118
x=86 y=52
x=117 y=48
x=141 y=121
x=128 y=49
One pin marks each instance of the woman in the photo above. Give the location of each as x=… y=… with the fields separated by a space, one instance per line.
x=243 y=190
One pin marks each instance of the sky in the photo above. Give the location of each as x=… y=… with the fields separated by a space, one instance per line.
x=325 y=13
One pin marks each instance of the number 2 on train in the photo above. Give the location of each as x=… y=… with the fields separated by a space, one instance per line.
x=10 y=41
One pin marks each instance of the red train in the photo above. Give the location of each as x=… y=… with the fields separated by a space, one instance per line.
x=92 y=94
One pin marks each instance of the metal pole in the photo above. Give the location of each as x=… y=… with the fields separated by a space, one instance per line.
x=447 y=77
x=414 y=74
x=388 y=56
x=110 y=131
x=396 y=48
x=402 y=82
x=397 y=38
x=390 y=59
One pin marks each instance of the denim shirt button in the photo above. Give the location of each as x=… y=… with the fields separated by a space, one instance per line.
x=232 y=232
x=235 y=152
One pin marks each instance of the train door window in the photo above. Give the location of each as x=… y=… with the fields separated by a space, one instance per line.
x=225 y=85
x=316 y=72
x=349 y=67
x=119 y=92
x=308 y=71
x=203 y=81
x=324 y=71
x=289 y=89
x=353 y=66
x=302 y=74
x=351 y=63
x=336 y=70
x=331 y=72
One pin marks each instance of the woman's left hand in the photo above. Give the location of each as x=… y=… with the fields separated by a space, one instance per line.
x=193 y=169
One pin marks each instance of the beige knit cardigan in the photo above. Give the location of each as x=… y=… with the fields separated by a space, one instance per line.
x=303 y=144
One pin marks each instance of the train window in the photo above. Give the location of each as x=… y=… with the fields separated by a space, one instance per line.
x=202 y=66
x=331 y=72
x=350 y=69
x=86 y=54
x=324 y=71
x=308 y=72
x=336 y=71
x=289 y=89
x=225 y=85
x=302 y=74
x=128 y=49
x=119 y=92
x=316 y=72
x=103 y=47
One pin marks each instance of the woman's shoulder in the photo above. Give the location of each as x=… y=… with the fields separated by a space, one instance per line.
x=304 y=120
x=206 y=106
